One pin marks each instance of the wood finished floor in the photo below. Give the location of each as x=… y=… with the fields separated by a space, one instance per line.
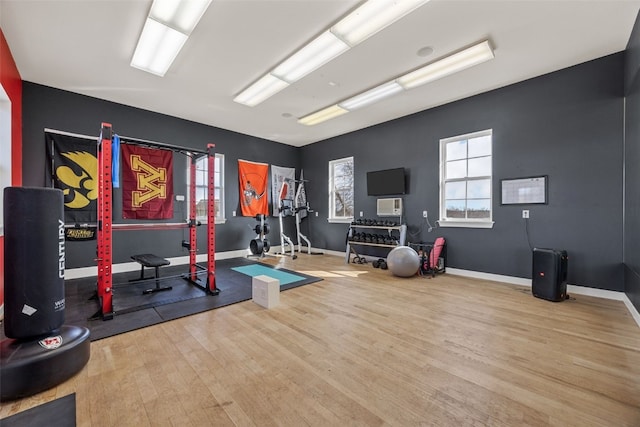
x=365 y=348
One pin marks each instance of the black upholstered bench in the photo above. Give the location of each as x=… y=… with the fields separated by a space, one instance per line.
x=150 y=260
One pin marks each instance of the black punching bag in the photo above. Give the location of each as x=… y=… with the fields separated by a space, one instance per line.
x=34 y=253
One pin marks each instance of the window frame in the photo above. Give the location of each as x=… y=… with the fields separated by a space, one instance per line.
x=5 y=147
x=221 y=218
x=444 y=221
x=331 y=217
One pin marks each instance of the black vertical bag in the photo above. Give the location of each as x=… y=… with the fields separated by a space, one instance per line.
x=34 y=261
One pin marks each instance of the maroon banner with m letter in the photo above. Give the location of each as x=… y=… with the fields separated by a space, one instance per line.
x=147 y=183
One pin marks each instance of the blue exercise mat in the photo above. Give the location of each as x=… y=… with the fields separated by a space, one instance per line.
x=259 y=270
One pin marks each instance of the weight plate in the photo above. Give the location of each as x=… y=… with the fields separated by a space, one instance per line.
x=256 y=246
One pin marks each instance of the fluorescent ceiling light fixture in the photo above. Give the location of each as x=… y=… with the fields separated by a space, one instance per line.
x=462 y=60
x=372 y=17
x=321 y=50
x=157 y=47
x=322 y=115
x=459 y=61
x=180 y=15
x=169 y=24
x=371 y=96
x=262 y=89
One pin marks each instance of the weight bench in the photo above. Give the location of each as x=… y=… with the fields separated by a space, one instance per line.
x=150 y=260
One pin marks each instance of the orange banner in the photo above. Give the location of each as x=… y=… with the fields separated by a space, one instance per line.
x=253 y=188
x=147 y=183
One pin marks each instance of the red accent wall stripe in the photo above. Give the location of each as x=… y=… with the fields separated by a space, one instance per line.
x=12 y=84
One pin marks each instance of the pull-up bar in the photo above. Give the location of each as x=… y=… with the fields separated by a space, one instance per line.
x=105 y=216
x=157 y=226
x=160 y=145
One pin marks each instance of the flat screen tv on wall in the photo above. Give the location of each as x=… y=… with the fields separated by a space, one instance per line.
x=388 y=182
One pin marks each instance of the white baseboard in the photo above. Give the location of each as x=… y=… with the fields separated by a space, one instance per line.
x=571 y=289
x=489 y=276
x=631 y=308
x=328 y=252
x=82 y=272
x=79 y=273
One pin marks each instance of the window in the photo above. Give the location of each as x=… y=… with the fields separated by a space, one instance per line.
x=341 y=189
x=5 y=147
x=201 y=187
x=465 y=180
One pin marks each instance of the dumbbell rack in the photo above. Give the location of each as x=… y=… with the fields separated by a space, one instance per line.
x=402 y=229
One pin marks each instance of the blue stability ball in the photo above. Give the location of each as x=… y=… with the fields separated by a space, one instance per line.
x=403 y=261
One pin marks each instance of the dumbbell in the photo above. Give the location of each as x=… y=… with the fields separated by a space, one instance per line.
x=377 y=263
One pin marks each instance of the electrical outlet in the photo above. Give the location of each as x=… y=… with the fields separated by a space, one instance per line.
x=361 y=214
x=316 y=213
x=525 y=213
x=424 y=214
x=233 y=213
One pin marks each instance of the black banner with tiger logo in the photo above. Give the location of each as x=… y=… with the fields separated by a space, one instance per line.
x=73 y=168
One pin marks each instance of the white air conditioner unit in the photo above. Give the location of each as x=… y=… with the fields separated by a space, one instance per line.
x=390 y=207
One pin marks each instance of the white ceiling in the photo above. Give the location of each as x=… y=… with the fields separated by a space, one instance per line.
x=86 y=46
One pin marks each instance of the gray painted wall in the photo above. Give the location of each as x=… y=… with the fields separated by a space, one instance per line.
x=45 y=107
x=632 y=171
x=567 y=125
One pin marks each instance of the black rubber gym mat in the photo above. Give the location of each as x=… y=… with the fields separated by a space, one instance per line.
x=60 y=413
x=133 y=310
